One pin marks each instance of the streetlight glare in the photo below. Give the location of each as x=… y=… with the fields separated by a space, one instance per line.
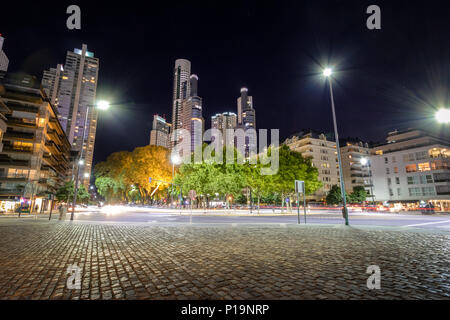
x=175 y=159
x=327 y=72
x=443 y=115
x=363 y=161
x=86 y=175
x=103 y=105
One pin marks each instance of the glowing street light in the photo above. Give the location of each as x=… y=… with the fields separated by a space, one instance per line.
x=86 y=175
x=103 y=105
x=443 y=116
x=327 y=73
x=175 y=159
x=364 y=161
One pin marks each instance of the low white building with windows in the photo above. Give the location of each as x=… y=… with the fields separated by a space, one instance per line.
x=413 y=167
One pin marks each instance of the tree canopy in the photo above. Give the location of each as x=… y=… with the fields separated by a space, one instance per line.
x=126 y=174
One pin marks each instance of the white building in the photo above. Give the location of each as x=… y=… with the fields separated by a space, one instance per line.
x=321 y=149
x=4 y=62
x=412 y=167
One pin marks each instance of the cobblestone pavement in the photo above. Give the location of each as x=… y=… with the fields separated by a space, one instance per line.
x=242 y=262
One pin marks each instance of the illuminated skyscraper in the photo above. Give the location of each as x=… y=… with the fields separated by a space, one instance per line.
x=181 y=92
x=73 y=90
x=159 y=136
x=4 y=62
x=192 y=115
x=247 y=119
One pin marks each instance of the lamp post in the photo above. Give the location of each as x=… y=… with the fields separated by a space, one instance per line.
x=102 y=105
x=327 y=72
x=176 y=160
x=365 y=161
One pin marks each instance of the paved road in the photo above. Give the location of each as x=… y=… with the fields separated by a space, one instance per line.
x=175 y=217
x=178 y=261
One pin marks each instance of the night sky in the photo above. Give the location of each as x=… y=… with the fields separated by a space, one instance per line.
x=393 y=78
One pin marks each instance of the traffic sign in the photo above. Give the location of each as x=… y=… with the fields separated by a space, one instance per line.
x=299 y=186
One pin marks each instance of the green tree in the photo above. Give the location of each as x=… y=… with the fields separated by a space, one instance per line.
x=293 y=166
x=358 y=195
x=65 y=193
x=334 y=196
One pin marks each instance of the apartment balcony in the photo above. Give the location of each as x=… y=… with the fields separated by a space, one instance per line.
x=53 y=146
x=22 y=136
x=7 y=148
x=20 y=107
x=14 y=163
x=13 y=178
x=14 y=122
x=11 y=192
x=355 y=175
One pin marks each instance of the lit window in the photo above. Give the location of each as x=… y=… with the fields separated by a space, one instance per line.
x=424 y=166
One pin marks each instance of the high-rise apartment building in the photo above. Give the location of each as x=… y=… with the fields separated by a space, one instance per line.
x=411 y=168
x=356 y=165
x=35 y=158
x=321 y=149
x=51 y=81
x=4 y=62
x=192 y=115
x=159 y=135
x=246 y=120
x=245 y=111
x=74 y=87
x=224 y=121
x=181 y=92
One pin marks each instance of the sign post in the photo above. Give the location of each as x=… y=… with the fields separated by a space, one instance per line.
x=300 y=187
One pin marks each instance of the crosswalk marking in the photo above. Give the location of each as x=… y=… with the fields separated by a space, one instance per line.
x=427 y=223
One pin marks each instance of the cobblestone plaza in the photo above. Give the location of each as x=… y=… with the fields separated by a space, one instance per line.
x=145 y=261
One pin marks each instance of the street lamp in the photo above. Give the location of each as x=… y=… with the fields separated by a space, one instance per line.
x=365 y=161
x=176 y=160
x=327 y=72
x=101 y=105
x=443 y=116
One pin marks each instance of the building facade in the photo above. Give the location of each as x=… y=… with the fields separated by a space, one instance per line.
x=51 y=80
x=4 y=62
x=321 y=149
x=246 y=120
x=356 y=166
x=181 y=92
x=159 y=135
x=222 y=122
x=412 y=168
x=74 y=87
x=35 y=156
x=192 y=115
